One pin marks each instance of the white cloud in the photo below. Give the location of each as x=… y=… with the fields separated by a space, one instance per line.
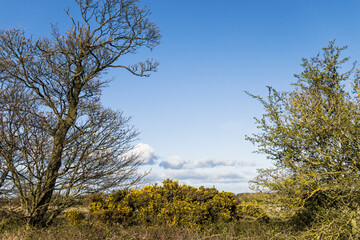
x=222 y=177
x=176 y=162
x=146 y=153
x=211 y=162
x=230 y=175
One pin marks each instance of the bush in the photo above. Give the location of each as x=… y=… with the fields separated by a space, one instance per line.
x=75 y=217
x=172 y=205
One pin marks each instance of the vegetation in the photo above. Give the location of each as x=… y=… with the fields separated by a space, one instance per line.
x=312 y=135
x=56 y=140
x=167 y=211
x=173 y=205
x=61 y=151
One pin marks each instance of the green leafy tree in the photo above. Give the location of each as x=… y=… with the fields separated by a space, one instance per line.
x=312 y=135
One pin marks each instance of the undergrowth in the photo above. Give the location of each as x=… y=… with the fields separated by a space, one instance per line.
x=174 y=211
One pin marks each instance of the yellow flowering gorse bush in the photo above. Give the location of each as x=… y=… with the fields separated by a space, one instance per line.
x=75 y=217
x=171 y=204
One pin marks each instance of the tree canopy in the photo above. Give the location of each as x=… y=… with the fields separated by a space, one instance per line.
x=57 y=141
x=311 y=133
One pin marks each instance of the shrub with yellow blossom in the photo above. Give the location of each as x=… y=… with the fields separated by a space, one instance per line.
x=75 y=217
x=171 y=204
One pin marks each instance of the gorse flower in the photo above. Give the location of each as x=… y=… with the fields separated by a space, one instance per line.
x=172 y=204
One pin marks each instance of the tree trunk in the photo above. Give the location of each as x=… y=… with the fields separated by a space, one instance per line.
x=44 y=198
x=37 y=216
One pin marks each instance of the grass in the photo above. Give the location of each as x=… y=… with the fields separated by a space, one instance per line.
x=91 y=227
x=63 y=230
x=12 y=226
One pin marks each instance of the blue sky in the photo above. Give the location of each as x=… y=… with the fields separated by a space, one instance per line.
x=193 y=114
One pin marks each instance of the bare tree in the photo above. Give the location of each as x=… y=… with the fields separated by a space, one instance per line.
x=60 y=142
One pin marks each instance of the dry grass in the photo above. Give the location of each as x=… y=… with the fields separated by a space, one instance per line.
x=63 y=230
x=13 y=227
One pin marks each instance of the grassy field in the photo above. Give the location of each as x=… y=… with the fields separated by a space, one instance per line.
x=170 y=211
x=62 y=229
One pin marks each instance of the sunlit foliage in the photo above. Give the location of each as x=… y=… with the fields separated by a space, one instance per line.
x=173 y=204
x=312 y=135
